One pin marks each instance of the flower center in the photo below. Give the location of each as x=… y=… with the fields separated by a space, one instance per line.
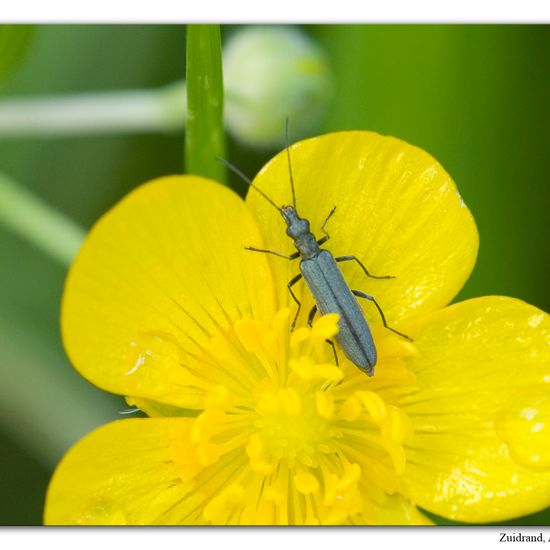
x=294 y=430
x=285 y=435
x=322 y=443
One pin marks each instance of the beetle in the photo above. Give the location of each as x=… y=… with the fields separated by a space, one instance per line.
x=320 y=270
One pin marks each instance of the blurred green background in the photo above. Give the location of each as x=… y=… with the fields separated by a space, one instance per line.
x=476 y=97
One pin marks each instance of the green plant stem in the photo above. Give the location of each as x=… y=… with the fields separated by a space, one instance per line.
x=33 y=219
x=205 y=139
x=125 y=111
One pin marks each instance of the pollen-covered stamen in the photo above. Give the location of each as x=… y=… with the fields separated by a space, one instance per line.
x=298 y=438
x=291 y=428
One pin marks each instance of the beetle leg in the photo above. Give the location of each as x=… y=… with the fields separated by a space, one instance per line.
x=310 y=322
x=291 y=257
x=371 y=299
x=348 y=258
x=333 y=351
x=292 y=282
x=311 y=315
x=324 y=239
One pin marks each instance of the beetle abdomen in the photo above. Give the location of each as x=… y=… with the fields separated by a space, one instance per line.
x=332 y=295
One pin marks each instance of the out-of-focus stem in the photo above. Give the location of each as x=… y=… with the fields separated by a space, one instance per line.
x=129 y=111
x=30 y=217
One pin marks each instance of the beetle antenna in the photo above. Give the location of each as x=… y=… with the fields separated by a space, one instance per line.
x=246 y=179
x=287 y=142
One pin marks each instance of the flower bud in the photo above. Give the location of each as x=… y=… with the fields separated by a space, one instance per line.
x=271 y=73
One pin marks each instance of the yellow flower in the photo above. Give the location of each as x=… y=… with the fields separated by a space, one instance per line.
x=252 y=423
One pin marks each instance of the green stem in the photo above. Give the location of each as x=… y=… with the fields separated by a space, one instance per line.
x=157 y=110
x=32 y=218
x=205 y=139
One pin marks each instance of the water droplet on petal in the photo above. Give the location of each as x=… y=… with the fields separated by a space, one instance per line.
x=524 y=425
x=151 y=349
x=101 y=511
x=155 y=360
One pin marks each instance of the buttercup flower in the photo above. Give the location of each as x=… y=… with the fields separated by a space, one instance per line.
x=253 y=423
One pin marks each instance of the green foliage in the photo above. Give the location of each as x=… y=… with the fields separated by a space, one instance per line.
x=205 y=137
x=14 y=44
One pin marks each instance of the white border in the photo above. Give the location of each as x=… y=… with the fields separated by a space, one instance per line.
x=320 y=538
x=276 y=11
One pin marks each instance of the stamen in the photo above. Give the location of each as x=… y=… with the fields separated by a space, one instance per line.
x=309 y=441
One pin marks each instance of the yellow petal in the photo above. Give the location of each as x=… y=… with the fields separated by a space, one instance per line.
x=480 y=411
x=398 y=510
x=157 y=274
x=397 y=210
x=129 y=472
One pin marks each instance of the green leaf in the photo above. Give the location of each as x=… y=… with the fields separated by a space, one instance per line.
x=205 y=138
x=14 y=44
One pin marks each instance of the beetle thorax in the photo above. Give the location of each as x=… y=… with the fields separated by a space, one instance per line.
x=298 y=230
